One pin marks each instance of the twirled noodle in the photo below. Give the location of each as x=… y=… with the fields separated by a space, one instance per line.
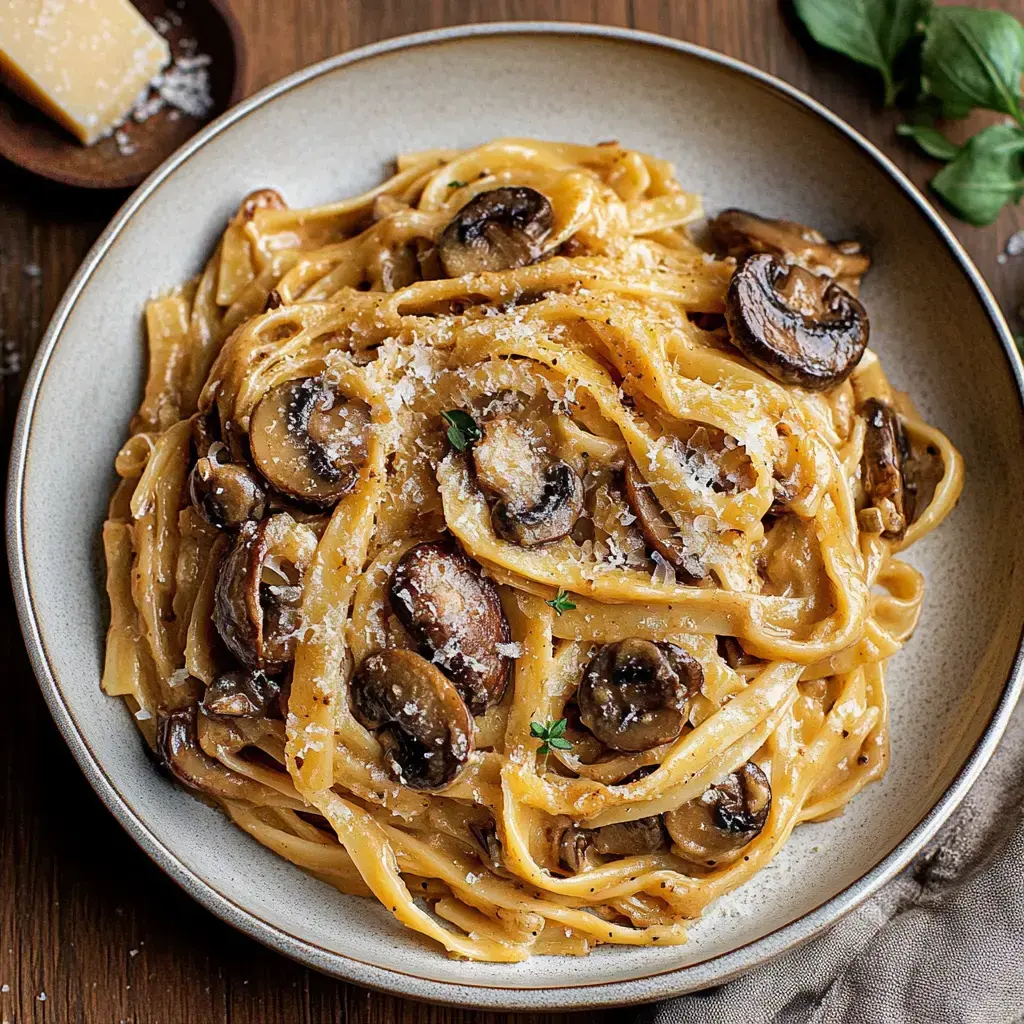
x=520 y=315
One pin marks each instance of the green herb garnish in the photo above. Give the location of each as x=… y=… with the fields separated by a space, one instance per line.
x=961 y=58
x=872 y=32
x=462 y=429
x=931 y=140
x=552 y=736
x=457 y=184
x=974 y=58
x=985 y=175
x=561 y=602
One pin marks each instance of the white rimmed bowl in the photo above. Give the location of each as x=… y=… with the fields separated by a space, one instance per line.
x=741 y=138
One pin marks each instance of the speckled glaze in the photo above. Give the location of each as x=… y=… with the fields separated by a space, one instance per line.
x=740 y=138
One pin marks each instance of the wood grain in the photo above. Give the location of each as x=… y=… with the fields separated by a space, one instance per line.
x=128 y=945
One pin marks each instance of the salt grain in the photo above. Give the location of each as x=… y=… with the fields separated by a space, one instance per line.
x=124 y=143
x=1015 y=244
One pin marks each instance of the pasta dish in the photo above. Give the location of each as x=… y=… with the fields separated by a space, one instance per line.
x=515 y=547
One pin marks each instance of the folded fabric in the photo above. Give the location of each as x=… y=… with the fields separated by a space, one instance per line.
x=942 y=943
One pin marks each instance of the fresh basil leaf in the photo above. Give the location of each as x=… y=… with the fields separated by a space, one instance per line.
x=559 y=744
x=974 y=58
x=538 y=730
x=870 y=31
x=985 y=175
x=931 y=140
x=558 y=728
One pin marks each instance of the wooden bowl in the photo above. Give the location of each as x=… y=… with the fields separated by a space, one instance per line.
x=29 y=138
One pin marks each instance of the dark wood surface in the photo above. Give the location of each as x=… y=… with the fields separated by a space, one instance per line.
x=85 y=917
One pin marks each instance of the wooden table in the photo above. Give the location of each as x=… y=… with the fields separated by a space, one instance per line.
x=90 y=929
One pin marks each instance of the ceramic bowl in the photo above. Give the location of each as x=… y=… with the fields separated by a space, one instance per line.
x=740 y=138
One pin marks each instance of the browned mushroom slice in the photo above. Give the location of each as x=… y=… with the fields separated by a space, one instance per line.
x=259 y=590
x=634 y=694
x=225 y=495
x=659 y=531
x=732 y=653
x=308 y=440
x=241 y=694
x=497 y=230
x=178 y=748
x=455 y=616
x=624 y=839
x=885 y=451
x=923 y=470
x=489 y=844
x=714 y=828
x=814 y=351
x=739 y=233
x=572 y=848
x=537 y=503
x=420 y=720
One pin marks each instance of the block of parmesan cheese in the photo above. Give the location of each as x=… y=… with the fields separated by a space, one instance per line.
x=83 y=62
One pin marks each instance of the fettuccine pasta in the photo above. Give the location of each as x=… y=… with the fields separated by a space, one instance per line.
x=486 y=545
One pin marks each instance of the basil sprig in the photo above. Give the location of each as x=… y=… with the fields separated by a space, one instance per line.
x=872 y=32
x=966 y=58
x=931 y=140
x=985 y=175
x=974 y=58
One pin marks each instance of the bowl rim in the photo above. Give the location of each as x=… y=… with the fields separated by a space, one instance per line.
x=671 y=981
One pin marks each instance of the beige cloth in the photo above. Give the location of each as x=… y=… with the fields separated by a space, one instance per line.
x=943 y=943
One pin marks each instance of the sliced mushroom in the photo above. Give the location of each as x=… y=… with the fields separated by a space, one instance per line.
x=178 y=748
x=225 y=495
x=537 y=503
x=885 y=452
x=634 y=694
x=660 y=532
x=454 y=615
x=814 y=351
x=259 y=590
x=308 y=440
x=501 y=229
x=714 y=828
x=488 y=841
x=573 y=847
x=624 y=839
x=739 y=233
x=923 y=471
x=421 y=722
x=240 y=694
x=732 y=653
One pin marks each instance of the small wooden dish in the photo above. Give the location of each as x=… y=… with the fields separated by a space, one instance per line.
x=30 y=139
